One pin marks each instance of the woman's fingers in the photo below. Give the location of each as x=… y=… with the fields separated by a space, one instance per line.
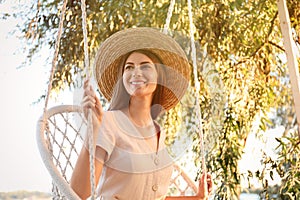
x=86 y=83
x=90 y=101
x=89 y=91
x=205 y=186
x=98 y=106
x=209 y=183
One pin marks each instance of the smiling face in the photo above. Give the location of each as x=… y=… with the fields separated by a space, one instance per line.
x=139 y=75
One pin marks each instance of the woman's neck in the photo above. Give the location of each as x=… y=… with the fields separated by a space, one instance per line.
x=139 y=112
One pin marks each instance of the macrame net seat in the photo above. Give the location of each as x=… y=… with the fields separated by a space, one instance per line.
x=59 y=141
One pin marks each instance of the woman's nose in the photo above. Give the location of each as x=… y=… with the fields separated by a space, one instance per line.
x=137 y=71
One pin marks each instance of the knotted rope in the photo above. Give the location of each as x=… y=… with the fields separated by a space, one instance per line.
x=195 y=72
x=86 y=62
x=90 y=117
x=87 y=68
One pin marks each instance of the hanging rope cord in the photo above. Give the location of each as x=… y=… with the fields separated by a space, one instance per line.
x=86 y=63
x=90 y=114
x=169 y=15
x=195 y=72
x=54 y=60
x=197 y=87
x=87 y=68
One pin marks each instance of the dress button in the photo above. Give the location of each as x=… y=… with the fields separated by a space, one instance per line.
x=156 y=161
x=155 y=187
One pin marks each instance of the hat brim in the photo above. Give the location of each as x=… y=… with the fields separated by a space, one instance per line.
x=107 y=67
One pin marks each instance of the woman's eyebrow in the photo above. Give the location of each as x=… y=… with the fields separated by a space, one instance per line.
x=146 y=62
x=129 y=63
x=142 y=63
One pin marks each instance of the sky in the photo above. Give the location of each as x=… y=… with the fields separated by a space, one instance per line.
x=21 y=167
x=21 y=164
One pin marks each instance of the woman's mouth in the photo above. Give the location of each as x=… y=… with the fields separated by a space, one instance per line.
x=137 y=82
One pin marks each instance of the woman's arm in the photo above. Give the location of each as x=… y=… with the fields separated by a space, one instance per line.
x=80 y=180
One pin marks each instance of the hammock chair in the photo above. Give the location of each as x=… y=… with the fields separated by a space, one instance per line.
x=58 y=129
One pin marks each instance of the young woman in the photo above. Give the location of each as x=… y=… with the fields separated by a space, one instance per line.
x=143 y=73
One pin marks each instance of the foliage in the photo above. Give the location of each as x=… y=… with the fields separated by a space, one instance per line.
x=240 y=40
x=239 y=55
x=294 y=11
x=286 y=165
x=103 y=19
x=289 y=165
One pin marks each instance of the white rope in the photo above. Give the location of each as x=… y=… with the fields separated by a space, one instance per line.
x=86 y=63
x=44 y=122
x=195 y=72
x=90 y=118
x=197 y=85
x=85 y=39
x=169 y=15
x=55 y=56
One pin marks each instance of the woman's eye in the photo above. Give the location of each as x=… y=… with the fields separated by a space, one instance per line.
x=128 y=67
x=147 y=66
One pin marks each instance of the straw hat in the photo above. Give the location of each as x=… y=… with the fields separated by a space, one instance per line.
x=109 y=57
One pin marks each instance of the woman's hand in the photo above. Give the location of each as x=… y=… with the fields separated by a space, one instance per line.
x=80 y=180
x=205 y=187
x=90 y=101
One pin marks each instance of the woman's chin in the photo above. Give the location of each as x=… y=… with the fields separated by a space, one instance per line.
x=141 y=91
